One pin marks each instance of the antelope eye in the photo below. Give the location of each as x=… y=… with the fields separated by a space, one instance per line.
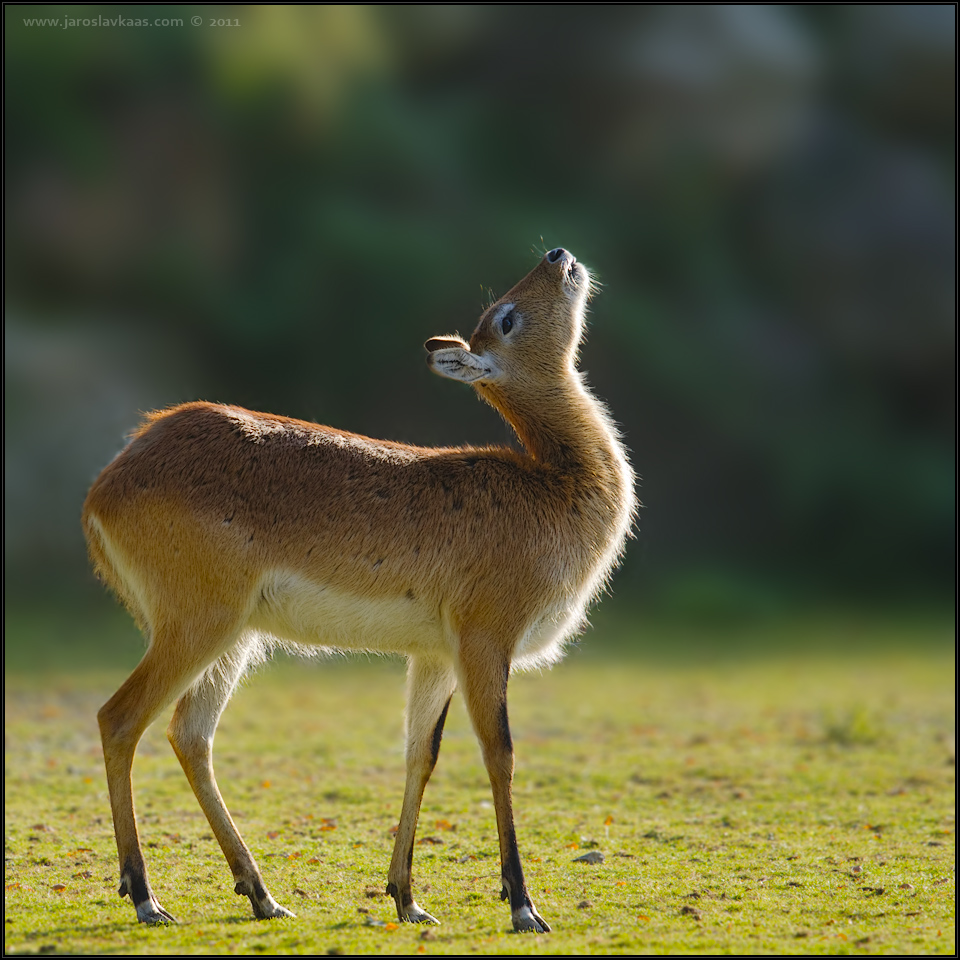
x=506 y=322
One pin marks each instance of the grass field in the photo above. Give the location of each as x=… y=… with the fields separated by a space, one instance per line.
x=766 y=804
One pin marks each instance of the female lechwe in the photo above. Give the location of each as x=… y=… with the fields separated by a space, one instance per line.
x=224 y=531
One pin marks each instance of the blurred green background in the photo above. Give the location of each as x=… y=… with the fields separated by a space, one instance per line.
x=278 y=211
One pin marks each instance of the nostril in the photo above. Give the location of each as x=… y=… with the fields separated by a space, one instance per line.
x=554 y=255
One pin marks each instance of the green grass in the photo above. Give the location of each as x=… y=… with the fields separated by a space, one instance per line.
x=770 y=805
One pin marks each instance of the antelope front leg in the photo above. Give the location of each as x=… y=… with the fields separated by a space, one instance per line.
x=483 y=679
x=430 y=684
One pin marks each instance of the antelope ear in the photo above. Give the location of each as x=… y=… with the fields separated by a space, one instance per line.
x=445 y=343
x=452 y=358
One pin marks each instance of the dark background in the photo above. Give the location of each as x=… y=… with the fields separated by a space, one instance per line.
x=278 y=213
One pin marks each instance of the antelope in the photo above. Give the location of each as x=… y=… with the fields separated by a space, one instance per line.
x=226 y=532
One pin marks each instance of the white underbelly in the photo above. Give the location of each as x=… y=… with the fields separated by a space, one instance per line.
x=297 y=610
x=543 y=643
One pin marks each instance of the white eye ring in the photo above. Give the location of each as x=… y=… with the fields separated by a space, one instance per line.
x=505 y=319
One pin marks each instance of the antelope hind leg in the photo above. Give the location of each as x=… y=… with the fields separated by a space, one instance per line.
x=191 y=733
x=154 y=683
